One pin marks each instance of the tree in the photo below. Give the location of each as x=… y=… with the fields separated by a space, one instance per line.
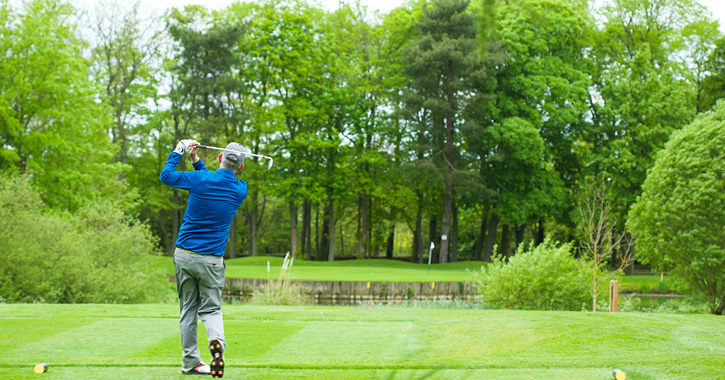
x=641 y=91
x=122 y=63
x=51 y=126
x=524 y=141
x=712 y=87
x=602 y=238
x=210 y=96
x=445 y=70
x=525 y=185
x=678 y=221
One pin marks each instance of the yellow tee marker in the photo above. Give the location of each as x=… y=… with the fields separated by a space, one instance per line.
x=619 y=375
x=40 y=368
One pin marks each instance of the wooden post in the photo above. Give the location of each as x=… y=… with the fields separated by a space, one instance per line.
x=613 y=296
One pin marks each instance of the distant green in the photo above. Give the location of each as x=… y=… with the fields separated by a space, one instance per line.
x=142 y=342
x=382 y=270
x=354 y=270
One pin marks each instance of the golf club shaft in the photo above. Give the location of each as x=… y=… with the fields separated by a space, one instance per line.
x=244 y=153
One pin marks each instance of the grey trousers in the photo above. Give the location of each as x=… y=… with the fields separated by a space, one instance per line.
x=199 y=283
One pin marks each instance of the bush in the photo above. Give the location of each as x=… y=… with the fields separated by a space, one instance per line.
x=546 y=277
x=95 y=255
x=678 y=220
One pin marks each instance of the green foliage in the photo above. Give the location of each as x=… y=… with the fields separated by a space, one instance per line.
x=545 y=277
x=93 y=255
x=51 y=125
x=528 y=189
x=712 y=87
x=645 y=88
x=663 y=287
x=497 y=109
x=678 y=219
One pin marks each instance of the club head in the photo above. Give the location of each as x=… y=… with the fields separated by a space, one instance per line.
x=270 y=163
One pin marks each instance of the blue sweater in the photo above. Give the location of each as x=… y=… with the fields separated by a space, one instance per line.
x=214 y=198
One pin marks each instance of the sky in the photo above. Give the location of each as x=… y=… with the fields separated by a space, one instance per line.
x=717 y=7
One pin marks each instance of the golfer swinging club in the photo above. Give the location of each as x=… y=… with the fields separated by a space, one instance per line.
x=214 y=198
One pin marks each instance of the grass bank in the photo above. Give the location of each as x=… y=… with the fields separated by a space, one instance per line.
x=142 y=342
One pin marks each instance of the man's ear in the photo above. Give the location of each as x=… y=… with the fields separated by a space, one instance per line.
x=240 y=167
x=220 y=157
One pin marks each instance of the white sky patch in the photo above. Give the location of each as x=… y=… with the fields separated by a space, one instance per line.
x=717 y=7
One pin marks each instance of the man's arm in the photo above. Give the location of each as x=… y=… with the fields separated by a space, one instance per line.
x=183 y=179
x=196 y=161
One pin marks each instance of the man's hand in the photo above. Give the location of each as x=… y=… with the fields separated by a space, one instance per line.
x=185 y=146
x=194 y=149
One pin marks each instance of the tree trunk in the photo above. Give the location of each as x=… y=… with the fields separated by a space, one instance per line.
x=433 y=237
x=520 y=230
x=540 y=232
x=317 y=232
x=417 y=246
x=325 y=233
x=331 y=228
x=629 y=270
x=391 y=241
x=175 y=221
x=454 y=235
x=615 y=251
x=164 y=233
x=447 y=214
x=363 y=225
x=293 y=228
x=481 y=238
x=254 y=216
x=491 y=237
x=251 y=212
x=306 y=252
x=303 y=238
x=232 y=246
x=342 y=242
x=504 y=249
x=450 y=158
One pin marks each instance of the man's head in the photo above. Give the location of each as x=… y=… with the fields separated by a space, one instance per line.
x=233 y=157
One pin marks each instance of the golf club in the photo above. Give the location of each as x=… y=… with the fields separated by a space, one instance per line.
x=271 y=161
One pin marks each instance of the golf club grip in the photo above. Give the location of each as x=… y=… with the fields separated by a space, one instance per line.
x=208 y=147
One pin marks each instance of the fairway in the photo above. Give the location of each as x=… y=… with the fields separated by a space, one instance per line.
x=142 y=341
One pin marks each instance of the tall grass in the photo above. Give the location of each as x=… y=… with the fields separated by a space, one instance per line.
x=282 y=291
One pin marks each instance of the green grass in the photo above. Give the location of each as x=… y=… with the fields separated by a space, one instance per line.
x=353 y=270
x=636 y=282
x=346 y=270
x=373 y=270
x=142 y=342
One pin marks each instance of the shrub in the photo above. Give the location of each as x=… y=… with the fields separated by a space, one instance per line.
x=546 y=277
x=678 y=220
x=94 y=255
x=645 y=289
x=663 y=287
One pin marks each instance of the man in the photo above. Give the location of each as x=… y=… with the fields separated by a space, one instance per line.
x=214 y=198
